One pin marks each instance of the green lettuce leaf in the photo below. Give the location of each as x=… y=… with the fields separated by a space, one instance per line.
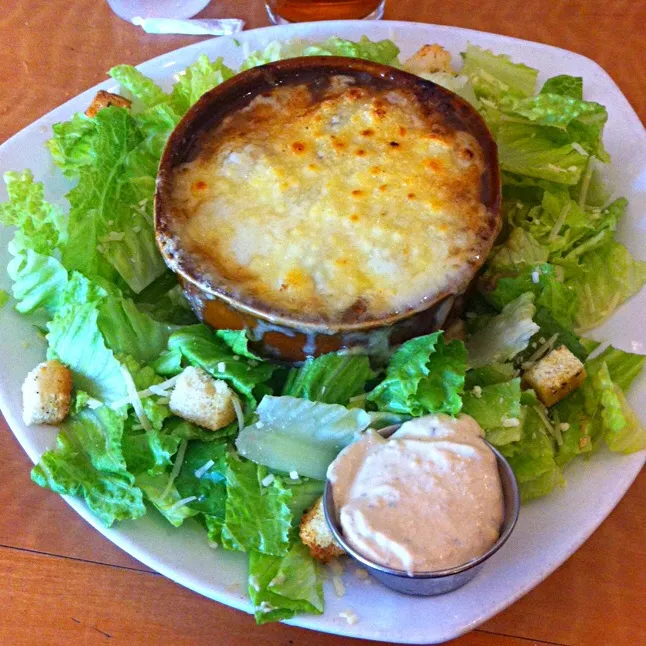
x=210 y=488
x=88 y=461
x=71 y=145
x=564 y=85
x=40 y=226
x=611 y=276
x=198 y=78
x=294 y=434
x=621 y=429
x=149 y=452
x=117 y=237
x=238 y=341
x=203 y=349
x=139 y=85
x=37 y=281
x=424 y=375
x=505 y=335
x=527 y=150
x=75 y=339
x=257 y=516
x=494 y=75
x=494 y=407
x=155 y=488
x=279 y=587
x=4 y=298
x=623 y=367
x=331 y=378
x=532 y=458
x=384 y=51
x=494 y=373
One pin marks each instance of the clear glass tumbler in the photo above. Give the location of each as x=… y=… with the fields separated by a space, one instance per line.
x=284 y=11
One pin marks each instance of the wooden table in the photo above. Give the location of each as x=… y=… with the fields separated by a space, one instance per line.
x=61 y=582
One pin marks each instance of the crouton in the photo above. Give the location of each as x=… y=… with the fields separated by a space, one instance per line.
x=555 y=376
x=46 y=394
x=316 y=534
x=429 y=59
x=202 y=400
x=105 y=99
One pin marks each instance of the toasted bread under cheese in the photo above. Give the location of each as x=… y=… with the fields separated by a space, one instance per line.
x=46 y=394
x=555 y=376
x=202 y=400
x=316 y=534
x=105 y=99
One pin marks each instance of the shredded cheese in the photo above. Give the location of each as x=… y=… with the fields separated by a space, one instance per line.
x=339 y=588
x=134 y=399
x=349 y=616
x=237 y=407
x=203 y=469
x=181 y=503
x=179 y=459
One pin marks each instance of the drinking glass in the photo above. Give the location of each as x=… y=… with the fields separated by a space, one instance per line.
x=281 y=12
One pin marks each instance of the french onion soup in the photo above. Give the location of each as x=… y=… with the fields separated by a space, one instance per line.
x=330 y=196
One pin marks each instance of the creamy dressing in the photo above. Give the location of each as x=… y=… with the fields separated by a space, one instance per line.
x=427 y=499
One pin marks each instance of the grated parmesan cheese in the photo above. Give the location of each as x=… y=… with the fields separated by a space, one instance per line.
x=181 y=503
x=477 y=392
x=134 y=399
x=177 y=465
x=349 y=616
x=203 y=469
x=267 y=480
x=339 y=588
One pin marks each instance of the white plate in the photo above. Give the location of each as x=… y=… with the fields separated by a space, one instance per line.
x=548 y=531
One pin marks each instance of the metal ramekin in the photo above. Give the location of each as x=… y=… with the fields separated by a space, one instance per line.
x=429 y=584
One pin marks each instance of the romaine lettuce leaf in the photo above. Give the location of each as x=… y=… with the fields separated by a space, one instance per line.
x=494 y=75
x=210 y=487
x=424 y=375
x=37 y=281
x=71 y=145
x=331 y=378
x=203 y=349
x=529 y=150
x=198 y=78
x=279 y=587
x=257 y=516
x=165 y=500
x=621 y=429
x=238 y=341
x=139 y=85
x=623 y=367
x=106 y=221
x=40 y=226
x=383 y=51
x=564 y=85
x=299 y=435
x=149 y=452
x=611 y=276
x=497 y=409
x=88 y=461
x=505 y=335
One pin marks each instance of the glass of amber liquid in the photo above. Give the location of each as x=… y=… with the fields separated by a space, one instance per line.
x=284 y=11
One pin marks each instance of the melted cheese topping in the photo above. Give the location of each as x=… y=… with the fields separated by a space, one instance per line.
x=347 y=204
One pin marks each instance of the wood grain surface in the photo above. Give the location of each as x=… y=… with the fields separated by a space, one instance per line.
x=61 y=582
